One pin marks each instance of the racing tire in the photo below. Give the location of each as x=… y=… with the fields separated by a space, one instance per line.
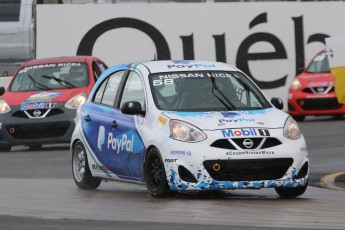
x=291 y=192
x=155 y=176
x=5 y=148
x=338 y=116
x=80 y=168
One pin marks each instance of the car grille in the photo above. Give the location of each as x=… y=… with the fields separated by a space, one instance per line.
x=258 y=143
x=319 y=104
x=35 y=131
x=248 y=170
x=319 y=90
x=31 y=113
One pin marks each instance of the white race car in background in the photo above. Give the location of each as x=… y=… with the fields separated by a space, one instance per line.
x=186 y=125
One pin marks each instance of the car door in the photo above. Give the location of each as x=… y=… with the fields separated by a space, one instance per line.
x=97 y=116
x=127 y=152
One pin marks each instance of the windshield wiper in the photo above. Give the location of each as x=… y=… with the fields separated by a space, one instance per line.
x=38 y=85
x=227 y=103
x=66 y=83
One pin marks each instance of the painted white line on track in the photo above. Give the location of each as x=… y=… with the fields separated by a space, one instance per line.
x=328 y=181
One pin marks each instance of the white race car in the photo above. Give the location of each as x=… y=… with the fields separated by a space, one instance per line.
x=186 y=125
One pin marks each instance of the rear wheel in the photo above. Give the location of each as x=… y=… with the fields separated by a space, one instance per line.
x=291 y=192
x=80 y=168
x=155 y=176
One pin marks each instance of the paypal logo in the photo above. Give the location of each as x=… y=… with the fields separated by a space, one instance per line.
x=121 y=143
x=101 y=137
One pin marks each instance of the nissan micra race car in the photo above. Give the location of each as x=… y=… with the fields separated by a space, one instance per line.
x=312 y=91
x=40 y=103
x=186 y=125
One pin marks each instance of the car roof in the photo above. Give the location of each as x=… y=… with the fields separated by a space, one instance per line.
x=56 y=60
x=186 y=65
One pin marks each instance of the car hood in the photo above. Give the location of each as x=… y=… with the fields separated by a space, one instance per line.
x=17 y=98
x=316 y=79
x=265 y=118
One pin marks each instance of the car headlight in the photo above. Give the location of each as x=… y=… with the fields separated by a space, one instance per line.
x=4 y=107
x=76 y=101
x=295 y=84
x=291 y=129
x=183 y=131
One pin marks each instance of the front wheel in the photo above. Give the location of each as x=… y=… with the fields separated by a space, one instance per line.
x=80 y=168
x=291 y=192
x=155 y=176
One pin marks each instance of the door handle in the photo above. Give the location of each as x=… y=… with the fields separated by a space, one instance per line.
x=113 y=124
x=87 y=118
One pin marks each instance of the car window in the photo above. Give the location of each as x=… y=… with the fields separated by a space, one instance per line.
x=133 y=90
x=98 y=68
x=205 y=91
x=50 y=76
x=107 y=92
x=9 y=10
x=99 y=94
x=102 y=66
x=319 y=64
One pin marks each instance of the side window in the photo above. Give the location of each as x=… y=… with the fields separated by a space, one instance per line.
x=100 y=91
x=102 y=66
x=134 y=90
x=96 y=71
x=107 y=91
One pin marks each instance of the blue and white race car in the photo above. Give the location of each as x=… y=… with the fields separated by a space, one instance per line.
x=186 y=125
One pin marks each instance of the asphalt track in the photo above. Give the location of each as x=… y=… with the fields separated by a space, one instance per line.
x=38 y=192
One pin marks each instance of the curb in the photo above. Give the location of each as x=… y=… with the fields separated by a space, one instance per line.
x=328 y=181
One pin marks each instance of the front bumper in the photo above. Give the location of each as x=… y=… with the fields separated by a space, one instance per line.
x=301 y=104
x=24 y=128
x=200 y=166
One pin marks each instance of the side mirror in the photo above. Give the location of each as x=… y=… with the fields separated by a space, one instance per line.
x=2 y=90
x=277 y=102
x=132 y=108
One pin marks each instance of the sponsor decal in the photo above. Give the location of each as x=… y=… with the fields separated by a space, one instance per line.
x=230 y=114
x=186 y=65
x=320 y=84
x=99 y=168
x=180 y=153
x=245 y=132
x=304 y=149
x=162 y=120
x=101 y=137
x=125 y=142
x=170 y=160
x=168 y=79
x=51 y=65
x=236 y=120
x=120 y=143
x=249 y=152
x=40 y=100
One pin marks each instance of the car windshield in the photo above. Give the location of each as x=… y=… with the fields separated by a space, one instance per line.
x=205 y=91
x=50 y=76
x=319 y=64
